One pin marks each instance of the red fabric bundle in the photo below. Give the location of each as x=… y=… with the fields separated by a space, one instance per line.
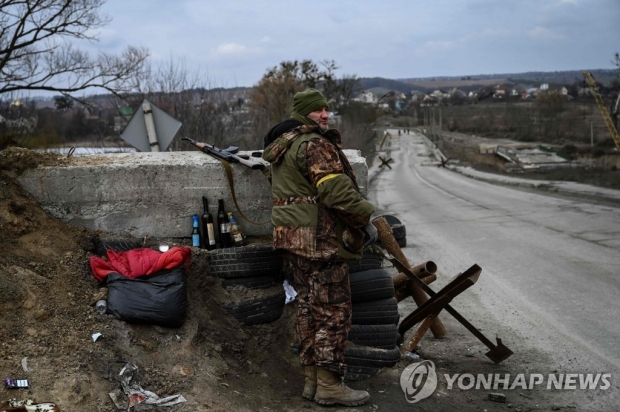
x=138 y=262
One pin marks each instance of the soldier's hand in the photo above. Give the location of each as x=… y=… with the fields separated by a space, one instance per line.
x=370 y=234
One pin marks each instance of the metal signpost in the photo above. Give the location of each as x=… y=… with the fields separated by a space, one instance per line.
x=150 y=129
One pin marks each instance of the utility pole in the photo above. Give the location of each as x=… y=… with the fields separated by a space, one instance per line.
x=440 y=140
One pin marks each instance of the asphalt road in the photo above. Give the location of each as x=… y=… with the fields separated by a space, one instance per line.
x=550 y=266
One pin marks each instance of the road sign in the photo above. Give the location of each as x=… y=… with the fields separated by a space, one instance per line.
x=150 y=129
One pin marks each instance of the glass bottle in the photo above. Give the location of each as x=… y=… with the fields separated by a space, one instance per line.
x=195 y=232
x=208 y=232
x=222 y=225
x=236 y=236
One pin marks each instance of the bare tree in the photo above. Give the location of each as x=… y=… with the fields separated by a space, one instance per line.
x=37 y=53
x=213 y=115
x=350 y=86
x=270 y=99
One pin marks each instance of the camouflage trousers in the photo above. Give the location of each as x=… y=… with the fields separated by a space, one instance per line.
x=323 y=316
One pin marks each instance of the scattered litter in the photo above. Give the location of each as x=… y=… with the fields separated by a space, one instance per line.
x=96 y=336
x=163 y=247
x=118 y=399
x=29 y=405
x=290 y=292
x=102 y=306
x=25 y=364
x=16 y=383
x=137 y=394
x=411 y=355
x=497 y=397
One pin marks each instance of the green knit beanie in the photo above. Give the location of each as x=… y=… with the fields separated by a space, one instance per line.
x=308 y=101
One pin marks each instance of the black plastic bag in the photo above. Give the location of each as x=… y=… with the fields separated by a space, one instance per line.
x=157 y=299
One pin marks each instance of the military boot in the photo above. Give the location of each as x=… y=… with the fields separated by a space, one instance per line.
x=310 y=387
x=331 y=389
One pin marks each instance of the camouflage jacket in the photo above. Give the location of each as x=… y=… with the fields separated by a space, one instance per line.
x=318 y=211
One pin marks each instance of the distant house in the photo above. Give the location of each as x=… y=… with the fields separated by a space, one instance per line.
x=417 y=96
x=457 y=92
x=366 y=97
x=544 y=86
x=438 y=94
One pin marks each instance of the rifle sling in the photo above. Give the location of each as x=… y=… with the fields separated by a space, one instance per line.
x=232 y=191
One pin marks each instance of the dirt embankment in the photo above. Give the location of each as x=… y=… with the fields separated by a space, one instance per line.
x=47 y=296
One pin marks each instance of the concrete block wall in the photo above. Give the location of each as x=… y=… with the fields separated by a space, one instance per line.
x=154 y=194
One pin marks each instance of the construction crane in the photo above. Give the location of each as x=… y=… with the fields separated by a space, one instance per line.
x=601 y=105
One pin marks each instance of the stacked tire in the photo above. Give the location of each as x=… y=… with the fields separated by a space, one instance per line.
x=254 y=267
x=374 y=332
x=398 y=230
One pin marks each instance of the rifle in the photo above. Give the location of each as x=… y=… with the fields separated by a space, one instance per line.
x=229 y=155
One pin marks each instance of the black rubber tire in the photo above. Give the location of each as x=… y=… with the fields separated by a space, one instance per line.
x=243 y=253
x=392 y=220
x=359 y=373
x=262 y=267
x=258 y=310
x=397 y=319
x=369 y=261
x=375 y=312
x=362 y=267
x=374 y=336
x=399 y=231
x=402 y=242
x=254 y=282
x=117 y=245
x=371 y=285
x=370 y=257
x=245 y=261
x=371 y=357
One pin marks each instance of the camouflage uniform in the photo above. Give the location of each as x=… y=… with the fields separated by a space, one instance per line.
x=318 y=214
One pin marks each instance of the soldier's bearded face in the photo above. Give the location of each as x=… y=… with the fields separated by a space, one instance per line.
x=320 y=116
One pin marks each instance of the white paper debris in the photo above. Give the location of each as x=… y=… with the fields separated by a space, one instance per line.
x=290 y=292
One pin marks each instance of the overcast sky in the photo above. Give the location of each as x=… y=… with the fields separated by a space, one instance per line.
x=233 y=42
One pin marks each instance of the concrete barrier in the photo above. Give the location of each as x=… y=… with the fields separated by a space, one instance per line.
x=154 y=194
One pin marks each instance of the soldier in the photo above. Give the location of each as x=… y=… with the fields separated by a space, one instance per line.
x=321 y=221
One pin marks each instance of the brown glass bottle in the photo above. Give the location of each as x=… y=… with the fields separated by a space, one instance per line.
x=208 y=231
x=222 y=225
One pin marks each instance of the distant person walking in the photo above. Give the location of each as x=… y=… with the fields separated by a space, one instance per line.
x=321 y=221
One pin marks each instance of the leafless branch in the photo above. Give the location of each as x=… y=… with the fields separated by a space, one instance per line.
x=37 y=50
